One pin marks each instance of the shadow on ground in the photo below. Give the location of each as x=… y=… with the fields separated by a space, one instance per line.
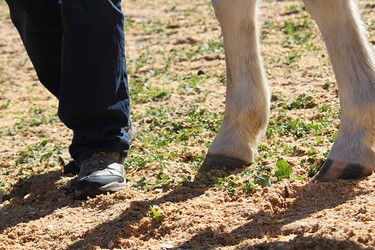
x=301 y=242
x=109 y=231
x=40 y=195
x=309 y=199
x=35 y=197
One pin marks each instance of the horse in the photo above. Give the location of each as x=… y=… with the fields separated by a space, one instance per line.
x=247 y=105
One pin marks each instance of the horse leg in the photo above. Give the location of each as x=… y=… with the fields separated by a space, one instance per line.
x=352 y=154
x=247 y=97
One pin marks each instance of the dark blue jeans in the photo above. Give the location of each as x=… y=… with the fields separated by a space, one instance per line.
x=77 y=49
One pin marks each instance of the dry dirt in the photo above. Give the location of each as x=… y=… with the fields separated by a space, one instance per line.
x=38 y=211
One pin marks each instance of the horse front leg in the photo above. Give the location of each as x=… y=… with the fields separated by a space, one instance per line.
x=247 y=98
x=352 y=154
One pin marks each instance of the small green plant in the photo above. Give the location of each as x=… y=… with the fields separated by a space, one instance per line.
x=163 y=180
x=143 y=182
x=34 y=118
x=327 y=84
x=292 y=9
x=248 y=186
x=156 y=214
x=297 y=31
x=263 y=180
x=191 y=84
x=298 y=178
x=312 y=171
x=293 y=58
x=229 y=184
x=212 y=47
x=303 y=101
x=41 y=152
x=284 y=170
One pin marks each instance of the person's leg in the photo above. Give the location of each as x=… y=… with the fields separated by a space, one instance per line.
x=82 y=62
x=94 y=97
x=39 y=25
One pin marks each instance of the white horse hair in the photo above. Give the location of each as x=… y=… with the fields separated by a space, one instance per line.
x=248 y=96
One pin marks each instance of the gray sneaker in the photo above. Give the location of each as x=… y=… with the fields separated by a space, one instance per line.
x=73 y=168
x=101 y=173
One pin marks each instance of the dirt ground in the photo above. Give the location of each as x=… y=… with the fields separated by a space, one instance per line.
x=38 y=211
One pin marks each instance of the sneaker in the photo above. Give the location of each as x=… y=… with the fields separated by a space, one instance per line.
x=101 y=173
x=73 y=168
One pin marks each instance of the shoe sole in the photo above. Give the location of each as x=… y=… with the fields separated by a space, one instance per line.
x=113 y=187
x=94 y=191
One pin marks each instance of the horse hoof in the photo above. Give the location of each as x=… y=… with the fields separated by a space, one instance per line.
x=337 y=170
x=221 y=162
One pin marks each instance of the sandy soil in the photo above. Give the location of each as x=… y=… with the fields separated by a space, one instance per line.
x=38 y=210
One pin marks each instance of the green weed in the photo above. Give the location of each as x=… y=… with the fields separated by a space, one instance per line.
x=212 y=47
x=297 y=31
x=303 y=101
x=284 y=170
x=34 y=118
x=41 y=153
x=156 y=214
x=229 y=184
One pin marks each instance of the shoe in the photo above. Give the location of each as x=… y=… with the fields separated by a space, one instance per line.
x=101 y=173
x=73 y=168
